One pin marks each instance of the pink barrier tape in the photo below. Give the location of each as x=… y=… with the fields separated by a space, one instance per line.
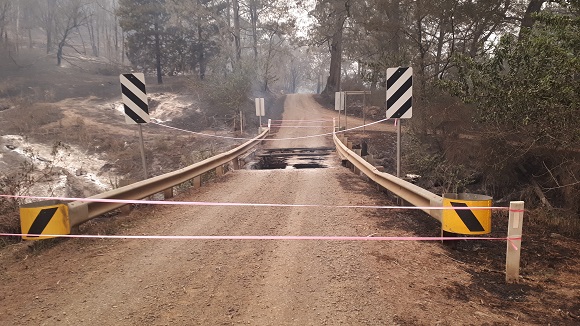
x=198 y=133
x=306 y=121
x=256 y=237
x=273 y=126
x=511 y=242
x=194 y=203
x=270 y=139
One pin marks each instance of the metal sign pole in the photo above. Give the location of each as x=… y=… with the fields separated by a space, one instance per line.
x=260 y=110
x=398 y=123
x=338 y=105
x=345 y=118
x=142 y=146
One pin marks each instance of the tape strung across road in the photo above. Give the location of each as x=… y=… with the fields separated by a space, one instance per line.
x=259 y=237
x=219 y=237
x=268 y=139
x=281 y=126
x=305 y=121
x=198 y=203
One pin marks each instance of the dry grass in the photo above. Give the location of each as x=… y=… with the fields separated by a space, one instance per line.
x=26 y=118
x=555 y=221
x=9 y=223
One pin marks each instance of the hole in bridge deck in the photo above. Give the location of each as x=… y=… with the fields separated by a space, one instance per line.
x=292 y=158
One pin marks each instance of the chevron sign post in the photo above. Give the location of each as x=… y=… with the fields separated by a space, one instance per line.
x=400 y=93
x=136 y=106
x=399 y=101
x=134 y=98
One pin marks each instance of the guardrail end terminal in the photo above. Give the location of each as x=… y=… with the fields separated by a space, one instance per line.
x=78 y=213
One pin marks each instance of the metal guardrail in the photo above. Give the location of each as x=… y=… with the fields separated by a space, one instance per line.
x=80 y=212
x=424 y=199
x=409 y=192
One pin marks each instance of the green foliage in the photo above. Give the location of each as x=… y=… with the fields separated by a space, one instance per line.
x=530 y=85
x=143 y=21
x=444 y=175
x=227 y=95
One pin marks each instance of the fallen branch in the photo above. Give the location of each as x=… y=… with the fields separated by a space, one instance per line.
x=537 y=188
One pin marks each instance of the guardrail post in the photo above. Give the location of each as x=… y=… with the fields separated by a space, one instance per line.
x=219 y=171
x=197 y=182
x=236 y=164
x=168 y=193
x=512 y=259
x=354 y=169
x=126 y=209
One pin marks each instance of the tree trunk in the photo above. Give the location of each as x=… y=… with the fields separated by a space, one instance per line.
x=48 y=40
x=201 y=54
x=254 y=21
x=17 y=26
x=82 y=40
x=333 y=82
x=49 y=23
x=116 y=31
x=158 y=53
x=59 y=54
x=395 y=8
x=237 y=41
x=122 y=47
x=4 y=20
x=374 y=79
x=528 y=20
x=93 y=30
x=439 y=55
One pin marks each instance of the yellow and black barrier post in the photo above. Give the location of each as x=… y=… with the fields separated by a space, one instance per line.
x=45 y=217
x=461 y=219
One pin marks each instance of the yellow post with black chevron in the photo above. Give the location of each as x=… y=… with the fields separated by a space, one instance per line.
x=461 y=219
x=45 y=217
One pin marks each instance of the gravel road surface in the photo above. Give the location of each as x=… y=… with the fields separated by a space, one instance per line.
x=254 y=282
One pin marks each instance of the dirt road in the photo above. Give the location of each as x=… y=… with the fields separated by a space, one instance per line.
x=256 y=282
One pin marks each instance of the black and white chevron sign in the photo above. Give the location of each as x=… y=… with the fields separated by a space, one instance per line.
x=134 y=98
x=399 y=93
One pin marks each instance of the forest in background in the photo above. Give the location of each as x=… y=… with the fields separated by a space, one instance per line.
x=496 y=84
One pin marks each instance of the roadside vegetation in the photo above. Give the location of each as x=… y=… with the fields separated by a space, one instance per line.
x=496 y=96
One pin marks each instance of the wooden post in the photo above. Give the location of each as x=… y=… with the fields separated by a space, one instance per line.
x=364 y=112
x=236 y=164
x=168 y=193
x=197 y=182
x=126 y=209
x=512 y=259
x=219 y=171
